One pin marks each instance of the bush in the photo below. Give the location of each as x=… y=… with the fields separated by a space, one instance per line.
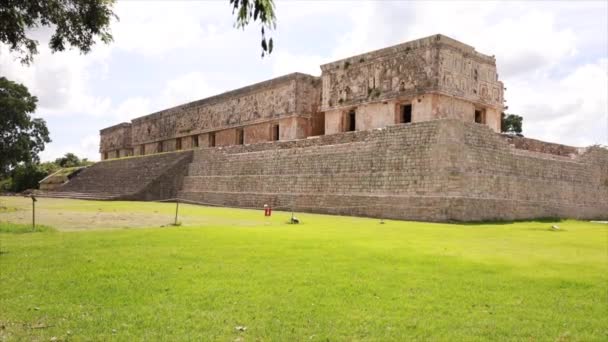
x=6 y=185
x=27 y=177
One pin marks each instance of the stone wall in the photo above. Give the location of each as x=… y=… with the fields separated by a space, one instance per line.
x=438 y=170
x=541 y=146
x=270 y=100
x=508 y=184
x=115 y=141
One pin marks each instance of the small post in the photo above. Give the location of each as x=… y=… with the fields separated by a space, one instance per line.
x=176 y=211
x=266 y=213
x=292 y=205
x=33 y=212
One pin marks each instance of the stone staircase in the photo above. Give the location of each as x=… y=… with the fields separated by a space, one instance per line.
x=152 y=177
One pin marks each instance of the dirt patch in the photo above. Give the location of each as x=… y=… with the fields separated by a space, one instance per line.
x=74 y=215
x=74 y=220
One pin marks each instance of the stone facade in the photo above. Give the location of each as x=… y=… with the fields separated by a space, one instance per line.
x=425 y=79
x=436 y=77
x=116 y=141
x=283 y=108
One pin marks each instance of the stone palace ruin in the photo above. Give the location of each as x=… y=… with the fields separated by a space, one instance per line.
x=411 y=131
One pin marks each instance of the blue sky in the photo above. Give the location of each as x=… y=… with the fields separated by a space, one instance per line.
x=552 y=57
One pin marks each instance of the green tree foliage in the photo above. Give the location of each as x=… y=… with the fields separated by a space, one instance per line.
x=511 y=123
x=27 y=175
x=75 y=23
x=21 y=136
x=71 y=160
x=256 y=10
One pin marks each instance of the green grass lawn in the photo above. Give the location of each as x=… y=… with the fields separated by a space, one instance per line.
x=329 y=278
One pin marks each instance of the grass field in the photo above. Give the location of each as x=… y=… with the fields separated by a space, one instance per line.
x=328 y=279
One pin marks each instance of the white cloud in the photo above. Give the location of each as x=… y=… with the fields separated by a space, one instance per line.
x=87 y=147
x=543 y=53
x=185 y=88
x=286 y=63
x=61 y=81
x=152 y=28
x=131 y=108
x=572 y=109
x=529 y=42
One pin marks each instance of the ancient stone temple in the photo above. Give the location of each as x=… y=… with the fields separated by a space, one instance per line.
x=411 y=131
x=426 y=79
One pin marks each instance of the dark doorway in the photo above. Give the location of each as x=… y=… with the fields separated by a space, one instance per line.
x=142 y=150
x=275 y=132
x=479 y=117
x=195 y=141
x=211 y=139
x=352 y=121
x=160 y=146
x=240 y=137
x=178 y=144
x=406 y=114
x=318 y=124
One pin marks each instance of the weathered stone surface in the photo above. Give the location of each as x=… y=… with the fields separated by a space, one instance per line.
x=272 y=100
x=116 y=141
x=541 y=146
x=438 y=170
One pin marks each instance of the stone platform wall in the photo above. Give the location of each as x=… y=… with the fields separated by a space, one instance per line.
x=442 y=170
x=506 y=182
x=439 y=171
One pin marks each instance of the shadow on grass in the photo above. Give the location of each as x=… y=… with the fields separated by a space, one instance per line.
x=499 y=222
x=4 y=210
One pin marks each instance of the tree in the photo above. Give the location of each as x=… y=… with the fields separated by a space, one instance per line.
x=68 y=160
x=511 y=123
x=21 y=137
x=71 y=160
x=75 y=22
x=256 y=10
x=26 y=176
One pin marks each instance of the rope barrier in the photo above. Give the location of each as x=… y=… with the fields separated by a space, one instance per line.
x=209 y=204
x=283 y=208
